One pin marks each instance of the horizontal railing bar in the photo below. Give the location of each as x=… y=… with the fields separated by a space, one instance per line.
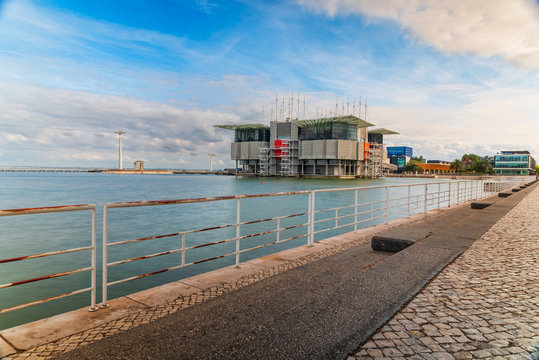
x=165 y=270
x=272 y=243
x=143 y=239
x=348 y=215
x=270 y=219
x=370 y=219
x=271 y=231
x=333 y=228
x=198 y=200
x=22 y=306
x=390 y=186
x=351 y=206
x=52 y=276
x=144 y=257
x=246 y=196
x=36 y=256
x=209 y=244
x=45 y=210
x=201 y=230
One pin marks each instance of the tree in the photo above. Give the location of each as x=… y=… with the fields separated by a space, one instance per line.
x=411 y=166
x=474 y=163
x=456 y=165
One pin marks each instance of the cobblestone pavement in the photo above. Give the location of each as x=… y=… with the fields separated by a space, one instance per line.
x=485 y=305
x=86 y=337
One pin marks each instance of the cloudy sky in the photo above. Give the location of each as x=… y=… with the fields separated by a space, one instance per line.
x=452 y=77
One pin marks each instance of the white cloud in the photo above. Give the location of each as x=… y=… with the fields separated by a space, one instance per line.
x=78 y=126
x=509 y=29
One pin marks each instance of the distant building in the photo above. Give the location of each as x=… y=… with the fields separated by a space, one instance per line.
x=400 y=151
x=514 y=163
x=338 y=146
x=399 y=156
x=435 y=168
x=139 y=165
x=443 y=162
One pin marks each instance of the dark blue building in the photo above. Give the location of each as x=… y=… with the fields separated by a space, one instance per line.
x=399 y=151
x=399 y=155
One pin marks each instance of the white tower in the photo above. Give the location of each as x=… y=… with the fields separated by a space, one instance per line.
x=211 y=160
x=120 y=133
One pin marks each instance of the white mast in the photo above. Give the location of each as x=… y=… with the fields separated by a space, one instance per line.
x=211 y=160
x=120 y=133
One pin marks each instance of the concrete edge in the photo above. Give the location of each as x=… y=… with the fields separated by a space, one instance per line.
x=6 y=348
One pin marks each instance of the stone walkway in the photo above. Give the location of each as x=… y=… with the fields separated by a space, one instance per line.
x=485 y=305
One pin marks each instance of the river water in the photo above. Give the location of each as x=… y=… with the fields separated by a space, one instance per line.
x=31 y=234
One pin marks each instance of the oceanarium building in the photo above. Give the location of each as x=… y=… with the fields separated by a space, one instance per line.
x=340 y=146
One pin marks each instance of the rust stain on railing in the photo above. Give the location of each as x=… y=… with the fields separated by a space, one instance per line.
x=36 y=256
x=44 y=210
x=198 y=200
x=52 y=276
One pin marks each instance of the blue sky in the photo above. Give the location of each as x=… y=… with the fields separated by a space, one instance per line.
x=452 y=77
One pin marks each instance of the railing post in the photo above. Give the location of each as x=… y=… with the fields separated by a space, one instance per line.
x=387 y=205
x=439 y=195
x=426 y=197
x=238 y=220
x=278 y=230
x=105 y=259
x=94 y=263
x=309 y=217
x=355 y=208
x=409 y=198
x=336 y=217
x=449 y=200
x=458 y=192
x=183 y=249
x=313 y=213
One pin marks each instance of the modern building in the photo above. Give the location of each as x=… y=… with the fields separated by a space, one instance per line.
x=338 y=146
x=514 y=163
x=399 y=156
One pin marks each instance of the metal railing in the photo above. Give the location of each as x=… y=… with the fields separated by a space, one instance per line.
x=389 y=202
x=183 y=235
x=92 y=248
x=316 y=214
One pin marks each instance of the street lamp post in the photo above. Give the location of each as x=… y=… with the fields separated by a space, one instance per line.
x=120 y=133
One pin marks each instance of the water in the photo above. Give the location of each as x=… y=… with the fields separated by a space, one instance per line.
x=31 y=234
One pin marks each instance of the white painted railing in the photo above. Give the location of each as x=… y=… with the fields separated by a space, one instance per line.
x=321 y=213
x=389 y=202
x=91 y=248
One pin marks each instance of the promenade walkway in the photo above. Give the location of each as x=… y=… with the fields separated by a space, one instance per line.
x=332 y=298
x=483 y=305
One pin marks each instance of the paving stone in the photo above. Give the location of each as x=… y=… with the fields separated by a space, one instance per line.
x=484 y=304
x=391 y=352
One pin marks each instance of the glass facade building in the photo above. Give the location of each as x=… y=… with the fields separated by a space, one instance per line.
x=514 y=163
x=399 y=151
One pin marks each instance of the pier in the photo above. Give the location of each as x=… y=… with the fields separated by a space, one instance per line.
x=333 y=299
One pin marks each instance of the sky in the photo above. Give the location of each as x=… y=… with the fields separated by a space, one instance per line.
x=452 y=77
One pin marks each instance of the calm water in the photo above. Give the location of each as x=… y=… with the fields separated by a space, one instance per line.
x=30 y=234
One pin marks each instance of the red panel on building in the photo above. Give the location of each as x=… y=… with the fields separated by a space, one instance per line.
x=278 y=144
